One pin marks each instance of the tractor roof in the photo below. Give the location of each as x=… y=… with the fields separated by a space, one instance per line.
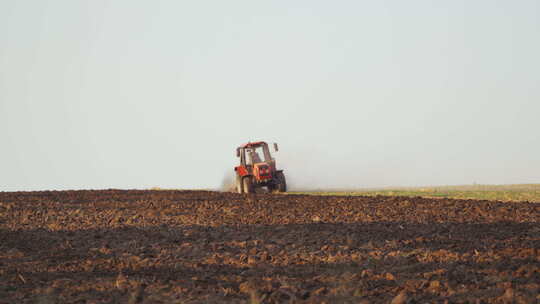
x=253 y=144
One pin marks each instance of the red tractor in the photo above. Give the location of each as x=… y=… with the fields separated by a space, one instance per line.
x=257 y=169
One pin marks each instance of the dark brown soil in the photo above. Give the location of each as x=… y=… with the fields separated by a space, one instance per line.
x=208 y=247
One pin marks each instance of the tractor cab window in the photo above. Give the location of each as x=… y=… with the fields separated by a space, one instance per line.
x=255 y=155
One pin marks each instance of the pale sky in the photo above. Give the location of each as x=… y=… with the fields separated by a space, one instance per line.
x=137 y=94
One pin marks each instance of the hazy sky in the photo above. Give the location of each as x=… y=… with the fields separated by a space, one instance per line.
x=136 y=94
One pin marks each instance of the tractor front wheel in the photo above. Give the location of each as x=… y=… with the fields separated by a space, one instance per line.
x=248 y=185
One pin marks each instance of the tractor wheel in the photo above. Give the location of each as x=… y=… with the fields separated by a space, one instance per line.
x=248 y=186
x=282 y=184
x=239 y=186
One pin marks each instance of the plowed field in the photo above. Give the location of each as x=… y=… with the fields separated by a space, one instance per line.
x=198 y=246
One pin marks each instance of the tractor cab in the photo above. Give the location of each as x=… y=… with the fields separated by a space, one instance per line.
x=257 y=169
x=255 y=154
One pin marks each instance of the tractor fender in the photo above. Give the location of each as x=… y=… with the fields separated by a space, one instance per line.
x=241 y=171
x=274 y=176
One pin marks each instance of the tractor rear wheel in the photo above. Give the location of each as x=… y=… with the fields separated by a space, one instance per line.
x=239 y=185
x=248 y=185
x=282 y=184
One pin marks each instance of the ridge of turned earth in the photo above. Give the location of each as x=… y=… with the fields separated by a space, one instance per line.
x=143 y=246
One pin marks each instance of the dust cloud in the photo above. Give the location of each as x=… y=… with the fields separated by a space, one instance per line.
x=228 y=182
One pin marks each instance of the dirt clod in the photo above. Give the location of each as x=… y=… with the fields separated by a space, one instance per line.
x=401 y=298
